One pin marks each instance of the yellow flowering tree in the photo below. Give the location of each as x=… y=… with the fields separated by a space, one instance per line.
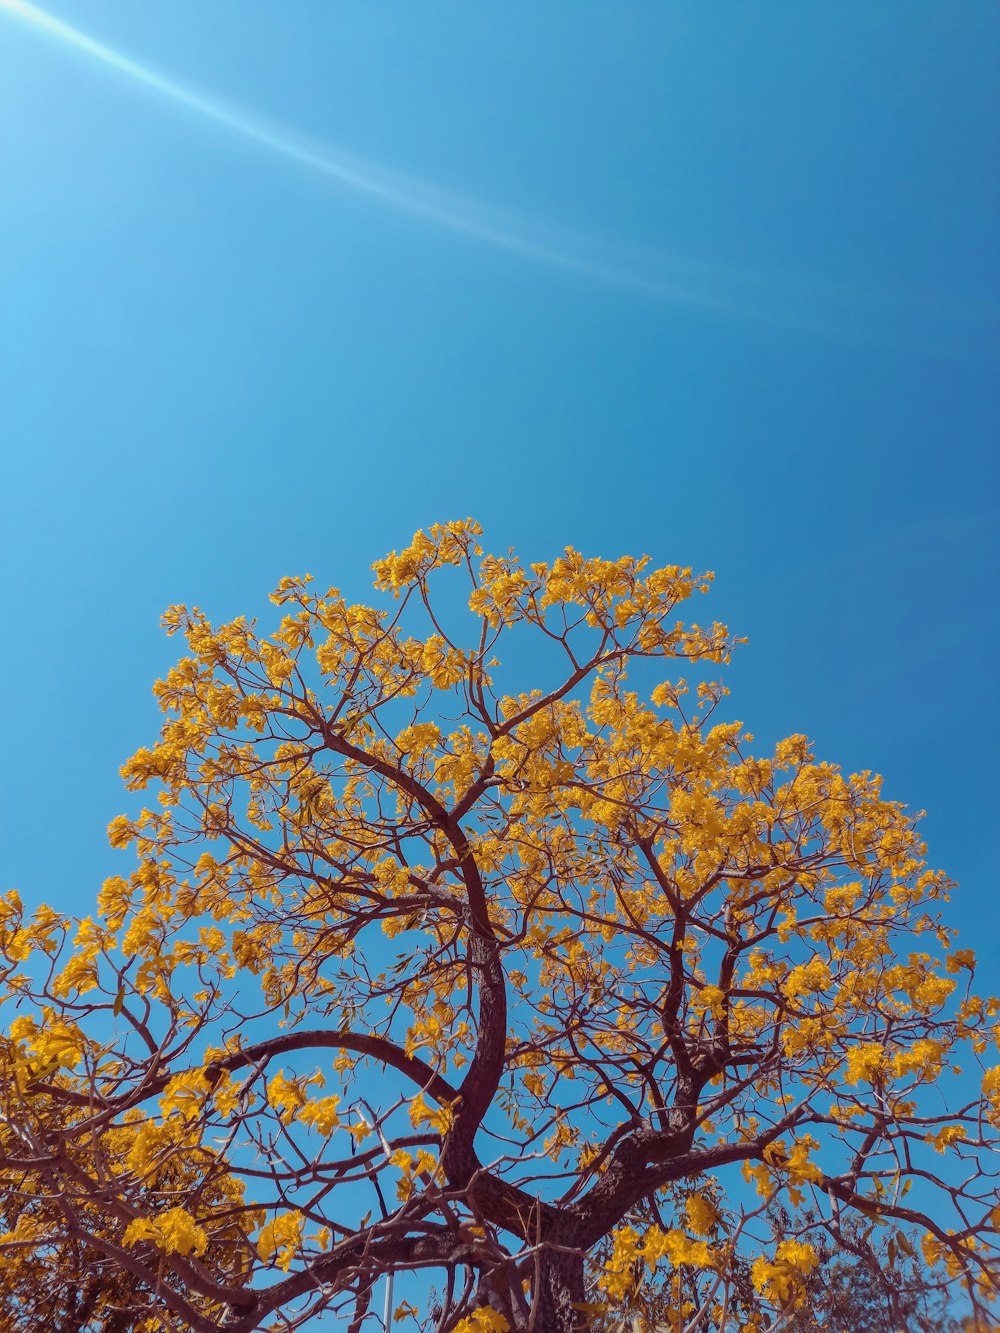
x=459 y=926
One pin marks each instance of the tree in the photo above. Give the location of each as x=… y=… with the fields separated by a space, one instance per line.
x=865 y=1280
x=862 y=1287
x=421 y=971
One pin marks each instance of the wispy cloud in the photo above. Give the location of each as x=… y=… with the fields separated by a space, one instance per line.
x=670 y=278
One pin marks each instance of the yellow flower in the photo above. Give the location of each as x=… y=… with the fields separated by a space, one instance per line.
x=147 y=1147
x=186 y=1094
x=483 y=1320
x=174 y=1232
x=945 y=1137
x=321 y=1115
x=285 y=1095
x=922 y=1058
x=864 y=1063
x=991 y=1092
x=419 y=738
x=445 y=665
x=280 y=1239
x=439 y=1118
x=701 y=1213
x=781 y=1280
x=808 y=978
x=58 y=1043
x=120 y=832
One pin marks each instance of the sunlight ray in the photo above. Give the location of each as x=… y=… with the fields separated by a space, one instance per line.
x=669 y=278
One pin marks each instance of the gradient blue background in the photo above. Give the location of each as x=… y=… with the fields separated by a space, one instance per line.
x=219 y=367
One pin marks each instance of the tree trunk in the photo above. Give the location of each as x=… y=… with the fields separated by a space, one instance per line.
x=560 y=1294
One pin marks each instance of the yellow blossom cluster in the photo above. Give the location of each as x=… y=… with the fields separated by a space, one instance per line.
x=622 y=1271
x=280 y=1239
x=781 y=1278
x=173 y=1231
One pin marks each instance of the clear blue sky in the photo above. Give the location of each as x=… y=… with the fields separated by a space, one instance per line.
x=716 y=282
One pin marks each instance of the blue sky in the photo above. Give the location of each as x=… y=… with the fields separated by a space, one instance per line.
x=744 y=314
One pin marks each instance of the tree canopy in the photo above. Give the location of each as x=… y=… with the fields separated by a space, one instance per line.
x=459 y=927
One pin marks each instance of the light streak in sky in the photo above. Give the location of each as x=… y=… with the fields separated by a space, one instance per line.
x=691 y=283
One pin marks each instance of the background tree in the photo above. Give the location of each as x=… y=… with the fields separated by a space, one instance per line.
x=872 y=1283
x=869 y=1277
x=424 y=971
